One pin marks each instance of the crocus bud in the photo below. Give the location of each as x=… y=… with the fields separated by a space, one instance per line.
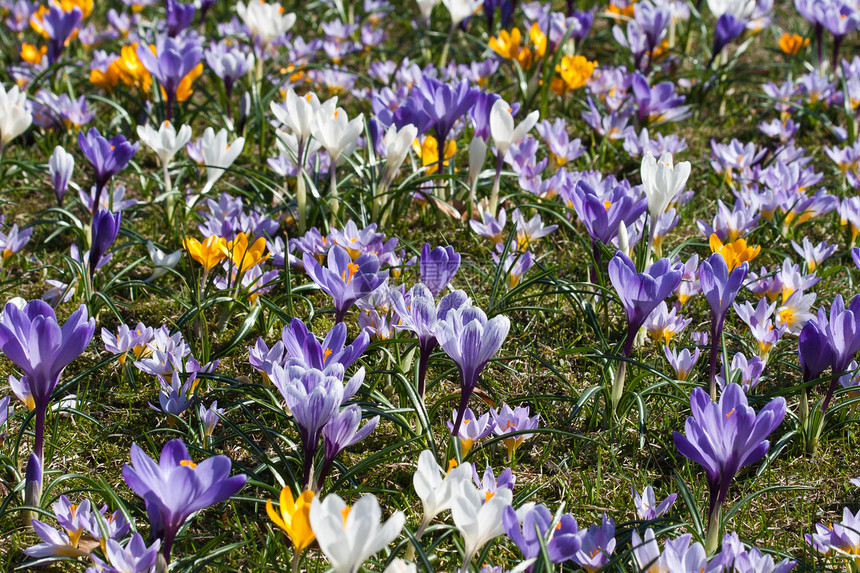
x=104 y=232
x=623 y=239
x=33 y=482
x=477 y=156
x=60 y=166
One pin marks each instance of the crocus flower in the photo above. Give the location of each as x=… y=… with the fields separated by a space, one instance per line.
x=245 y=254
x=563 y=542
x=218 y=156
x=179 y=17
x=314 y=398
x=343 y=279
x=176 y=487
x=58 y=25
x=105 y=229
x=436 y=488
x=601 y=215
x=54 y=543
x=437 y=267
x=302 y=348
x=724 y=436
x=172 y=61
x=814 y=351
x=508 y=421
x=293 y=517
x=348 y=536
x=341 y=432
x=720 y=289
x=470 y=340
x=640 y=293
x=734 y=253
x=682 y=362
x=60 y=166
x=662 y=181
x=210 y=417
x=478 y=517
x=842 y=329
x=35 y=342
x=15 y=114
x=209 y=253
x=596 y=545
x=267 y=22
x=727 y=29
x=161 y=262
x=646 y=504
x=135 y=557
x=166 y=141
x=443 y=104
x=107 y=157
x=471 y=430
x=461 y=9
x=12 y=242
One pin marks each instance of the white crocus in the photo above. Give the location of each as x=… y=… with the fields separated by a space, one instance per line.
x=502 y=126
x=165 y=141
x=15 y=114
x=740 y=9
x=298 y=113
x=478 y=516
x=266 y=21
x=348 y=536
x=397 y=145
x=161 y=263
x=461 y=9
x=662 y=180
x=218 y=155
x=338 y=135
x=504 y=135
x=436 y=488
x=426 y=8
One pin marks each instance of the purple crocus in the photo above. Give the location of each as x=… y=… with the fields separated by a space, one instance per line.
x=443 y=104
x=842 y=329
x=343 y=279
x=35 y=342
x=564 y=541
x=641 y=293
x=470 y=340
x=814 y=351
x=724 y=436
x=176 y=487
x=304 y=349
x=108 y=157
x=720 y=289
x=105 y=229
x=60 y=166
x=179 y=17
x=419 y=313
x=646 y=504
x=341 y=432
x=175 y=59
x=438 y=266
x=59 y=25
x=314 y=398
x=728 y=28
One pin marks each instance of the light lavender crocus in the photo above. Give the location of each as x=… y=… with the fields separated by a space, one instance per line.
x=175 y=487
x=724 y=436
x=720 y=289
x=470 y=340
x=419 y=313
x=343 y=279
x=34 y=341
x=438 y=266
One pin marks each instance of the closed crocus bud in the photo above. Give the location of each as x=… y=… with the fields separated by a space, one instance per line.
x=244 y=111
x=623 y=239
x=218 y=156
x=33 y=481
x=814 y=351
x=104 y=232
x=397 y=145
x=502 y=127
x=477 y=156
x=461 y=9
x=426 y=7
x=60 y=166
x=662 y=180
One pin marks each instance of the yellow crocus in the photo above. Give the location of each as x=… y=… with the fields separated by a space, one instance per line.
x=428 y=151
x=243 y=254
x=294 y=517
x=507 y=44
x=32 y=54
x=130 y=70
x=734 y=253
x=791 y=44
x=208 y=253
x=573 y=73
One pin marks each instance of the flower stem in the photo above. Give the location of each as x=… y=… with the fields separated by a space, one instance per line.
x=494 y=195
x=712 y=541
